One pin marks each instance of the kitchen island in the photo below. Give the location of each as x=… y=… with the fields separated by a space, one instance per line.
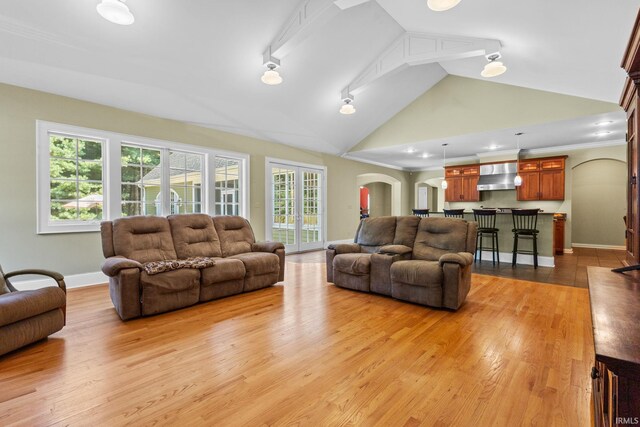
x=504 y=222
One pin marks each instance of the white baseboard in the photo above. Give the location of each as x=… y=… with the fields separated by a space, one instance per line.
x=337 y=242
x=593 y=246
x=72 y=281
x=507 y=257
x=568 y=251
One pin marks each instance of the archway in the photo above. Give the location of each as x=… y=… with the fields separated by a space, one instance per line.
x=598 y=203
x=396 y=188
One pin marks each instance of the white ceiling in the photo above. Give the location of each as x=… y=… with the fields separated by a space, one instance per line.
x=200 y=61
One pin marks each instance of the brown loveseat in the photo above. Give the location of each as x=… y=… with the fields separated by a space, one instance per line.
x=422 y=260
x=239 y=263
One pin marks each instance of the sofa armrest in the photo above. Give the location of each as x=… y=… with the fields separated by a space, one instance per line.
x=461 y=258
x=112 y=266
x=395 y=250
x=271 y=247
x=59 y=278
x=345 y=248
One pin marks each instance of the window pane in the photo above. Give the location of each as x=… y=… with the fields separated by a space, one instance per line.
x=141 y=175
x=130 y=155
x=227 y=179
x=62 y=147
x=63 y=168
x=89 y=150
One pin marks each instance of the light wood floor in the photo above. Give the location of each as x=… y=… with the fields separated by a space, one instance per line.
x=308 y=353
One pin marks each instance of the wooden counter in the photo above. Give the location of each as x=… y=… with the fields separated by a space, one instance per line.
x=615 y=315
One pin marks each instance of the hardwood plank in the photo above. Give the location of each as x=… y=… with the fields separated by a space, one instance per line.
x=309 y=353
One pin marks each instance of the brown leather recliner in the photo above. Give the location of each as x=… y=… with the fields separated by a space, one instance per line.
x=421 y=260
x=29 y=316
x=240 y=264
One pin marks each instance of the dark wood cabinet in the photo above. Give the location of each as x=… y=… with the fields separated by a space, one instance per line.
x=559 y=220
x=462 y=184
x=630 y=101
x=542 y=179
x=614 y=300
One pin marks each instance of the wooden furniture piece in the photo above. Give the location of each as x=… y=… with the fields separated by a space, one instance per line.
x=463 y=183
x=559 y=221
x=615 y=299
x=422 y=213
x=525 y=226
x=630 y=101
x=454 y=213
x=486 y=219
x=542 y=179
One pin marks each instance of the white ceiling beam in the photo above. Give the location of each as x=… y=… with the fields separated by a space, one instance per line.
x=309 y=14
x=420 y=48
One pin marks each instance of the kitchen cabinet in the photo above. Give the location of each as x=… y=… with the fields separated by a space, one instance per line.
x=542 y=179
x=462 y=184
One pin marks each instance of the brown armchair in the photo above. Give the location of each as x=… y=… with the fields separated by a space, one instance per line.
x=29 y=316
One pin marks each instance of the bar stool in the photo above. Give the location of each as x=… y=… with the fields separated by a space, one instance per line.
x=424 y=213
x=454 y=213
x=486 y=219
x=525 y=223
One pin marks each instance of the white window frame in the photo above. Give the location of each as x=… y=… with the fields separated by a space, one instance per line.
x=111 y=174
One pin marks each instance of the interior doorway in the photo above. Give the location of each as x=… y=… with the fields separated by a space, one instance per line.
x=392 y=192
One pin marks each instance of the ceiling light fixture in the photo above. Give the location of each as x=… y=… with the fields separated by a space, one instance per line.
x=270 y=77
x=425 y=155
x=493 y=147
x=411 y=150
x=444 y=184
x=602 y=133
x=493 y=68
x=604 y=123
x=115 y=11
x=347 y=108
x=442 y=5
x=517 y=181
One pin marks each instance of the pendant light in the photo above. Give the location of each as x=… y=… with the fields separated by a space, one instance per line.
x=442 y=5
x=271 y=77
x=347 y=108
x=444 y=184
x=517 y=181
x=493 y=68
x=115 y=11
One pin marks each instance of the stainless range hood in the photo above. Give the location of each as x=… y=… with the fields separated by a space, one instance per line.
x=498 y=176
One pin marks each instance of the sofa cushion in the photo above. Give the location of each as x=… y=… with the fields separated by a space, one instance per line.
x=194 y=235
x=143 y=238
x=438 y=236
x=236 y=235
x=170 y=290
x=377 y=231
x=257 y=263
x=354 y=264
x=406 y=229
x=225 y=269
x=16 y=306
x=417 y=273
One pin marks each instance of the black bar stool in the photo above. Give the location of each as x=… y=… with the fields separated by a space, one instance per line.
x=525 y=223
x=454 y=213
x=486 y=219
x=424 y=213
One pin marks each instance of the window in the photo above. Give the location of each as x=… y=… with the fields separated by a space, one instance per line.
x=86 y=176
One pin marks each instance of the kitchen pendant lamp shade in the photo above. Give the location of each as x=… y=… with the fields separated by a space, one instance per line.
x=115 y=11
x=444 y=184
x=493 y=69
x=517 y=181
x=271 y=77
x=442 y=5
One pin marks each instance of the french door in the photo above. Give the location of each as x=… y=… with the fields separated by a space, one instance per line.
x=295 y=206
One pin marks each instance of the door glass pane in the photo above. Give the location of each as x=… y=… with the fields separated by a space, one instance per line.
x=227 y=191
x=312 y=207
x=284 y=205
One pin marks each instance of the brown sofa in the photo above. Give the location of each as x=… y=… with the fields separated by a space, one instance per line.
x=422 y=260
x=29 y=316
x=240 y=264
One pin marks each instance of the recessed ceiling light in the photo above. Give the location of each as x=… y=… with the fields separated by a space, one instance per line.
x=604 y=123
x=602 y=133
x=493 y=147
x=115 y=11
x=425 y=155
x=410 y=150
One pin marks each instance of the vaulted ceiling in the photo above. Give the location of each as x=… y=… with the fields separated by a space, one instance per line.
x=201 y=61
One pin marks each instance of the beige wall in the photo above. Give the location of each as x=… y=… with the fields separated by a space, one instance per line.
x=80 y=252
x=379 y=199
x=462 y=106
x=507 y=198
x=599 y=191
